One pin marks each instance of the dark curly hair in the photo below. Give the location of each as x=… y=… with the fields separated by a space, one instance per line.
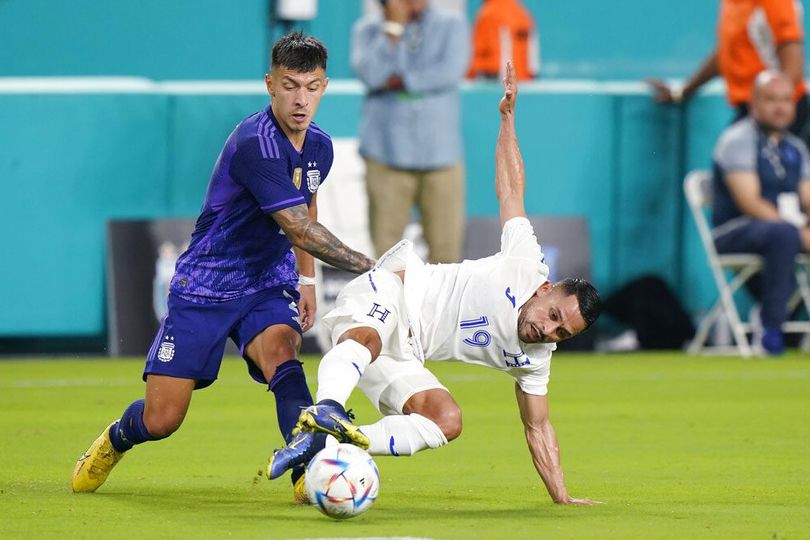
x=298 y=52
x=590 y=305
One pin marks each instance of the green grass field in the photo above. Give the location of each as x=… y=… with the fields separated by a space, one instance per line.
x=677 y=447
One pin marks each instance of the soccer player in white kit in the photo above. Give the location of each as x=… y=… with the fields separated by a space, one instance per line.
x=499 y=311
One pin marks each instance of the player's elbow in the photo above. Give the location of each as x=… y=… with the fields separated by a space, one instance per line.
x=297 y=235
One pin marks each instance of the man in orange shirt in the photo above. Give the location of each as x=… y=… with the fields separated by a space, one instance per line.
x=752 y=36
x=504 y=31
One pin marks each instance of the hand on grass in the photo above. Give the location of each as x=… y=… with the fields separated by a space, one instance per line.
x=579 y=502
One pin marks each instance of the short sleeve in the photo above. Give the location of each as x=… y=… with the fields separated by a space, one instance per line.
x=518 y=240
x=328 y=158
x=534 y=382
x=267 y=179
x=784 y=20
x=736 y=151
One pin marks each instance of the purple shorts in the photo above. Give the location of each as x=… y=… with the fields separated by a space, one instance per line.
x=191 y=339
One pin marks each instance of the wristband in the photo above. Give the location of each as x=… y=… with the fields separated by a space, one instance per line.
x=393 y=28
x=306 y=280
x=676 y=94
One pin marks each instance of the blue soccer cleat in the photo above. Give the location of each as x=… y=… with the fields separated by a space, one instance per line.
x=299 y=451
x=331 y=418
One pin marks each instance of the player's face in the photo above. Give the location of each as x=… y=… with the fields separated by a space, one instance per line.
x=296 y=96
x=772 y=105
x=550 y=316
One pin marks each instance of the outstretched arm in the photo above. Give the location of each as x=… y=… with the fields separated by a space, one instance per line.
x=543 y=446
x=510 y=178
x=307 y=234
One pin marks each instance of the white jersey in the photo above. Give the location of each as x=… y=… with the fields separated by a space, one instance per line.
x=469 y=311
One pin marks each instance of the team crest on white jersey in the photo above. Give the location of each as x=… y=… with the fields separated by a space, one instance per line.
x=518 y=360
x=313 y=180
x=166 y=351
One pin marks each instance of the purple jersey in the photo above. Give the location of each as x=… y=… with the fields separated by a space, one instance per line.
x=237 y=248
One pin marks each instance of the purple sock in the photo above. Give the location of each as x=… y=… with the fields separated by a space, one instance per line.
x=130 y=430
x=289 y=385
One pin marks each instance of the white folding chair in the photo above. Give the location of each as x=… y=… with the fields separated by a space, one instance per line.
x=732 y=271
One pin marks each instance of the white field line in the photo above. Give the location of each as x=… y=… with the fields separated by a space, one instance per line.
x=367 y=538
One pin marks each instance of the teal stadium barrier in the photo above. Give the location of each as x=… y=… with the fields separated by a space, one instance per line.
x=137 y=148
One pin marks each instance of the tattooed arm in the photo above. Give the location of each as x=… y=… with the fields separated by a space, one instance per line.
x=309 y=235
x=305 y=263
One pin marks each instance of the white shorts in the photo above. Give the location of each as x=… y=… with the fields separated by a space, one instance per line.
x=376 y=300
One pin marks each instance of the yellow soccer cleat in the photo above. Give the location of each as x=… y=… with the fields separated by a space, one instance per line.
x=300 y=491
x=331 y=418
x=95 y=464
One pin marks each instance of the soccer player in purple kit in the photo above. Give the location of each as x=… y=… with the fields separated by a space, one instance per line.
x=239 y=277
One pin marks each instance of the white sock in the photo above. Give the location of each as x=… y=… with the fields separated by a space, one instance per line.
x=340 y=371
x=403 y=435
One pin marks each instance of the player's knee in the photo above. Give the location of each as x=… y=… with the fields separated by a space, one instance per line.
x=282 y=346
x=449 y=421
x=276 y=345
x=161 y=424
x=438 y=406
x=365 y=336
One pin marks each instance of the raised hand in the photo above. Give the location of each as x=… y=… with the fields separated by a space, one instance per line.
x=507 y=105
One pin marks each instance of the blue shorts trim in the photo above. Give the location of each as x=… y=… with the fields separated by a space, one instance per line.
x=191 y=339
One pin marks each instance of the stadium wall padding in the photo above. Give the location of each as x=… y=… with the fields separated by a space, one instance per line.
x=70 y=162
x=211 y=39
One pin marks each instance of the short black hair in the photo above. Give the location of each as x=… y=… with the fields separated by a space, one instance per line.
x=298 y=52
x=590 y=305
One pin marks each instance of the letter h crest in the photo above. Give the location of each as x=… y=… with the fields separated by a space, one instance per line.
x=379 y=312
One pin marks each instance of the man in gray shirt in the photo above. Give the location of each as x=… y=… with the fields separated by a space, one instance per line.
x=761 y=184
x=412 y=59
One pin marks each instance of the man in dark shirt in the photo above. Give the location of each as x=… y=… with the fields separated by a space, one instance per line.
x=761 y=185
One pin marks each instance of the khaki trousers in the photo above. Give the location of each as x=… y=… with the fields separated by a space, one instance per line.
x=439 y=195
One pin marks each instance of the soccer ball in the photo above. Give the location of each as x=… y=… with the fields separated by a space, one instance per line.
x=342 y=481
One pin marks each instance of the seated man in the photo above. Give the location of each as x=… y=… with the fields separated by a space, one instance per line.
x=761 y=173
x=500 y=312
